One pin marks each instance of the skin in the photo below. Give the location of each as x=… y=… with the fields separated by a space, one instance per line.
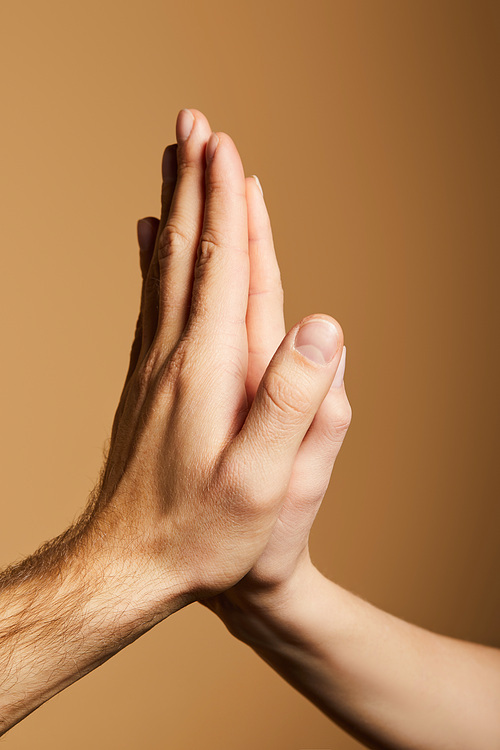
x=387 y=682
x=265 y=326
x=202 y=452
x=221 y=451
x=259 y=412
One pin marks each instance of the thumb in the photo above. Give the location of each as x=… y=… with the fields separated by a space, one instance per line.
x=290 y=393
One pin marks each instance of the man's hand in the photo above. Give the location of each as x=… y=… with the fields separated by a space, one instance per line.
x=287 y=547
x=196 y=472
x=196 y=476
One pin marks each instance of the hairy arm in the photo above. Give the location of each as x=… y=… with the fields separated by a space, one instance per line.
x=196 y=472
x=64 y=610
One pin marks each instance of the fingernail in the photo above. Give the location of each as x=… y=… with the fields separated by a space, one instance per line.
x=258 y=183
x=339 y=375
x=184 y=125
x=211 y=147
x=317 y=340
x=169 y=164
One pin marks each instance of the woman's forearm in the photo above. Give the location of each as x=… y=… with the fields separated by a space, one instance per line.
x=389 y=683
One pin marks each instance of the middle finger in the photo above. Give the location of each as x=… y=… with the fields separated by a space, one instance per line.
x=178 y=238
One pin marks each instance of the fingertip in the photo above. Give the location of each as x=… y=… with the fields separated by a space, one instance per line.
x=319 y=338
x=200 y=118
x=147 y=229
x=223 y=159
x=333 y=321
x=191 y=124
x=254 y=176
x=338 y=380
x=211 y=148
x=184 y=125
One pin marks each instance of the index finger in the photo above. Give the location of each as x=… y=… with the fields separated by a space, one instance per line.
x=221 y=275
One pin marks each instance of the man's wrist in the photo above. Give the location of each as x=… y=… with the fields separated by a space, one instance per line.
x=130 y=591
x=65 y=610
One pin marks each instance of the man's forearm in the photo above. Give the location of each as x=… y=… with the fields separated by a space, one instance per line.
x=389 y=683
x=64 y=611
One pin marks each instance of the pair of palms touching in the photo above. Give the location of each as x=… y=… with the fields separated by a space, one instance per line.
x=246 y=301
x=221 y=451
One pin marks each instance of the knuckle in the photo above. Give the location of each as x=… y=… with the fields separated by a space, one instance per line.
x=272 y=286
x=242 y=485
x=187 y=163
x=339 y=422
x=175 y=369
x=286 y=399
x=344 y=416
x=159 y=378
x=185 y=379
x=207 y=250
x=231 y=477
x=173 y=240
x=213 y=236
x=219 y=187
x=214 y=243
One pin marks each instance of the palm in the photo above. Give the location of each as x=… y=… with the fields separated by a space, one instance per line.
x=314 y=460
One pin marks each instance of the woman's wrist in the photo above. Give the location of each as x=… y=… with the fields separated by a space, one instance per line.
x=265 y=617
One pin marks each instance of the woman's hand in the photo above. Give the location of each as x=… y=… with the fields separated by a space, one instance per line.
x=310 y=457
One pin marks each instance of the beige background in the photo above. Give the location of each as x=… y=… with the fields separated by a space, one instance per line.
x=374 y=130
